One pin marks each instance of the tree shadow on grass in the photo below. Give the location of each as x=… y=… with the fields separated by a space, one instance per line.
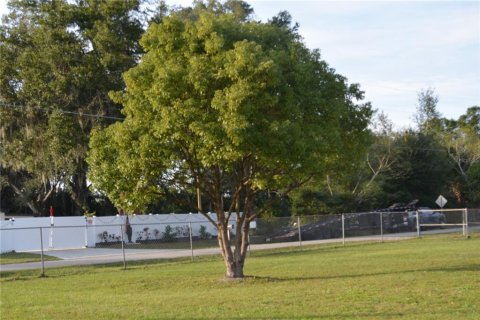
x=419 y=314
x=462 y=268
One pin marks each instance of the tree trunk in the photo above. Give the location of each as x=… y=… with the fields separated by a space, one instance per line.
x=235 y=270
x=234 y=259
x=79 y=193
x=28 y=202
x=36 y=212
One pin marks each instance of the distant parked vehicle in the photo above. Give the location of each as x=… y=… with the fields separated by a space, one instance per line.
x=426 y=216
x=395 y=217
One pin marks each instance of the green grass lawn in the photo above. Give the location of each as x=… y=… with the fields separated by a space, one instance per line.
x=429 y=278
x=22 y=257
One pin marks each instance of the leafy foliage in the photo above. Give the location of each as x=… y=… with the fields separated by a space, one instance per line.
x=231 y=107
x=59 y=59
x=169 y=234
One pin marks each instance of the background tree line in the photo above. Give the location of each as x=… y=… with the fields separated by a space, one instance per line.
x=435 y=156
x=60 y=59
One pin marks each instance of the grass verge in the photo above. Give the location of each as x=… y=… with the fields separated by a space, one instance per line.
x=23 y=257
x=429 y=278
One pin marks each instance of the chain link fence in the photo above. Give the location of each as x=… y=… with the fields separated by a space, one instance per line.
x=124 y=242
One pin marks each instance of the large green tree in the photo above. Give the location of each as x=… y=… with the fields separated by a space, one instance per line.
x=461 y=138
x=419 y=169
x=427 y=116
x=229 y=106
x=353 y=182
x=59 y=59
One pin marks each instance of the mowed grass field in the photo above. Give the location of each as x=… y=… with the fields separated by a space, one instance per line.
x=430 y=278
x=23 y=257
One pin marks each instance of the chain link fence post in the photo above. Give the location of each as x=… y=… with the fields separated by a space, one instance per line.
x=86 y=232
x=381 y=226
x=123 y=248
x=41 y=252
x=418 y=224
x=466 y=222
x=191 y=238
x=299 y=231
x=343 y=229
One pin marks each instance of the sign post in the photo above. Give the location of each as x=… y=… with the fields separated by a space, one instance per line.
x=50 y=242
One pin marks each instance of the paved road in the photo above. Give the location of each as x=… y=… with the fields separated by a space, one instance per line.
x=90 y=256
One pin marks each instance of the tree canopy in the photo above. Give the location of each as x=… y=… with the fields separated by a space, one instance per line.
x=59 y=59
x=228 y=106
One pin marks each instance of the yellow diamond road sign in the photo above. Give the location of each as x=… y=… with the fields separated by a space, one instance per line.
x=441 y=201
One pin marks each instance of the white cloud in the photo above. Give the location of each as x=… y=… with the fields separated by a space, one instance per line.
x=398 y=99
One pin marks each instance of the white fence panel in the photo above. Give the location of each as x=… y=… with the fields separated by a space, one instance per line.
x=76 y=232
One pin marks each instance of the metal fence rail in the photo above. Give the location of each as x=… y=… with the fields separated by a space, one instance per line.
x=138 y=241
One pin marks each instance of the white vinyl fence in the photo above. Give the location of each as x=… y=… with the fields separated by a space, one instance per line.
x=23 y=234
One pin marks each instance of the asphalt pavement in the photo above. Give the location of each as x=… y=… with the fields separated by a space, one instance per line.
x=91 y=256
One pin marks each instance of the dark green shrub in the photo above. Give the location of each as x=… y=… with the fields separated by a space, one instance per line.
x=203 y=234
x=169 y=235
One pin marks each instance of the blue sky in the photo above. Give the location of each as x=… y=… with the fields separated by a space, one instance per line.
x=393 y=49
